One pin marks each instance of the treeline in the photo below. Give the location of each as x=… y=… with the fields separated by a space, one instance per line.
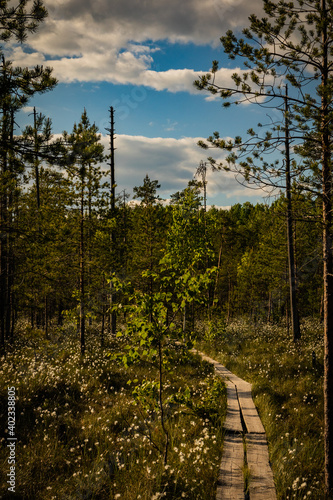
x=65 y=242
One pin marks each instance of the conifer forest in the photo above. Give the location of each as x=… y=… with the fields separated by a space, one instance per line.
x=106 y=301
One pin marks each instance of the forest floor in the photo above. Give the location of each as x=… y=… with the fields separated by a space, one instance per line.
x=287 y=387
x=90 y=428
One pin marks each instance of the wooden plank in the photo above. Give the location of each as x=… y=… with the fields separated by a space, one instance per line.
x=230 y=376
x=230 y=485
x=207 y=358
x=233 y=419
x=249 y=411
x=262 y=485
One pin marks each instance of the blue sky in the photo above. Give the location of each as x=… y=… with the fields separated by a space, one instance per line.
x=142 y=58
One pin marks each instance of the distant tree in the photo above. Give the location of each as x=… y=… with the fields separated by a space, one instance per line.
x=45 y=253
x=147 y=192
x=148 y=233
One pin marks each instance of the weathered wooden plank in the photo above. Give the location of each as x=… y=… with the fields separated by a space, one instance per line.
x=262 y=485
x=233 y=419
x=249 y=412
x=207 y=358
x=230 y=482
x=230 y=376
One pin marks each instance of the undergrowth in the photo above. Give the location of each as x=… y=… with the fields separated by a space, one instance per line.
x=84 y=432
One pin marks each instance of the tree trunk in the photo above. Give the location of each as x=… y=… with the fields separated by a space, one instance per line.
x=82 y=288
x=165 y=430
x=60 y=317
x=291 y=258
x=218 y=270
x=328 y=335
x=270 y=308
x=4 y=229
x=103 y=326
x=328 y=262
x=113 y=317
x=229 y=312
x=46 y=319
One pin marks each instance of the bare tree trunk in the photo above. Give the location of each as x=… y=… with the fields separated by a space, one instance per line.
x=46 y=319
x=328 y=261
x=113 y=316
x=291 y=257
x=82 y=288
x=36 y=163
x=165 y=430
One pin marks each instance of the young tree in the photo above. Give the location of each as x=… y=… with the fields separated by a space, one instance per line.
x=294 y=43
x=186 y=239
x=147 y=236
x=147 y=192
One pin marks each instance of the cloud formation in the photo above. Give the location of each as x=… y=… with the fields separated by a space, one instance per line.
x=99 y=40
x=173 y=162
x=123 y=20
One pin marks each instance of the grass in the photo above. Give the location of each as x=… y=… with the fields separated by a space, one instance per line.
x=287 y=385
x=84 y=434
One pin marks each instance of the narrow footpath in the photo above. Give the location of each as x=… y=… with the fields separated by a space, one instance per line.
x=245 y=444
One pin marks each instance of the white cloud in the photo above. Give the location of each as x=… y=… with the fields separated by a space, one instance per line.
x=173 y=162
x=123 y=68
x=28 y=109
x=25 y=59
x=99 y=40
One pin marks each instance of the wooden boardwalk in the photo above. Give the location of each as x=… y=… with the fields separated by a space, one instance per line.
x=244 y=444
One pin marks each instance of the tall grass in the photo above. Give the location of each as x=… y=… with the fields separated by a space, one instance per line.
x=287 y=386
x=83 y=432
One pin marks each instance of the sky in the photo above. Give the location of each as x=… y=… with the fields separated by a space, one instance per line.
x=141 y=57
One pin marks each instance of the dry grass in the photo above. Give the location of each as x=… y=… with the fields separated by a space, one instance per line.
x=84 y=434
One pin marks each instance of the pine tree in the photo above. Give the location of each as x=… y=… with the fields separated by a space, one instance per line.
x=147 y=236
x=83 y=153
x=18 y=85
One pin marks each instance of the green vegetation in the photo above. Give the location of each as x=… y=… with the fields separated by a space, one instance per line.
x=86 y=432
x=287 y=385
